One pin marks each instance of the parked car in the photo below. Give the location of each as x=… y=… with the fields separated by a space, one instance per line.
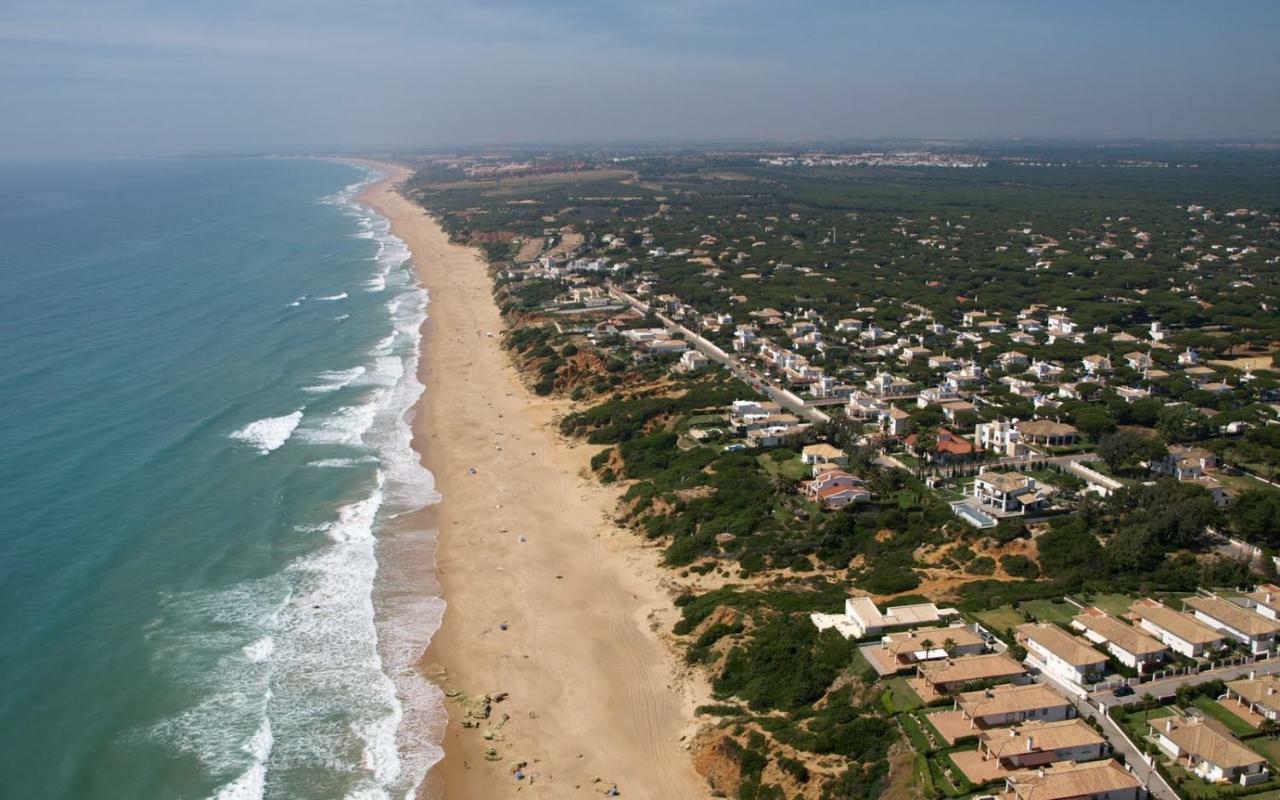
x=1122 y=691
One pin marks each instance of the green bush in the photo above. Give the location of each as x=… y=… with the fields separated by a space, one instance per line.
x=982 y=565
x=1019 y=566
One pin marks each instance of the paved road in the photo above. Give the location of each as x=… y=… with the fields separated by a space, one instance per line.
x=747 y=375
x=1136 y=760
x=1168 y=687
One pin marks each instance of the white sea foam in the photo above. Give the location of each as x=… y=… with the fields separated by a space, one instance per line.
x=252 y=783
x=260 y=649
x=342 y=318
x=297 y=302
x=347 y=425
x=269 y=433
x=320 y=660
x=338 y=296
x=333 y=380
x=342 y=463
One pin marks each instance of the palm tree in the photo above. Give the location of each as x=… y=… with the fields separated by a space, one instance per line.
x=949 y=645
x=1148 y=702
x=927 y=644
x=1269 y=727
x=925 y=444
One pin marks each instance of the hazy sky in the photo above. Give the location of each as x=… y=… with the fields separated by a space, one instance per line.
x=157 y=76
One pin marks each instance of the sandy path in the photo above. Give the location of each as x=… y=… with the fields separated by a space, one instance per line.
x=592 y=692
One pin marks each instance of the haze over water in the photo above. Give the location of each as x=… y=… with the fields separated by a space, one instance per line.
x=207 y=368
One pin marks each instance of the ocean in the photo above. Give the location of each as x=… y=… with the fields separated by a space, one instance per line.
x=210 y=586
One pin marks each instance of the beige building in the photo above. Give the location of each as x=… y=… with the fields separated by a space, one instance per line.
x=953 y=674
x=1128 y=645
x=1034 y=744
x=1208 y=750
x=1182 y=633
x=1012 y=704
x=1093 y=780
x=1241 y=624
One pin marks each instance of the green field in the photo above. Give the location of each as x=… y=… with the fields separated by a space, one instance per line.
x=1214 y=709
x=792 y=469
x=899 y=696
x=1268 y=748
x=1116 y=605
x=1049 y=611
x=1001 y=618
x=1136 y=725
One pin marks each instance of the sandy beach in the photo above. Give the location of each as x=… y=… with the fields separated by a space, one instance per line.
x=548 y=601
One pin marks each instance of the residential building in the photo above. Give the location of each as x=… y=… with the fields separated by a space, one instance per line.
x=1096 y=364
x=1061 y=325
x=1013 y=703
x=954 y=674
x=835 y=488
x=1138 y=360
x=887 y=385
x=1128 y=645
x=1060 y=655
x=1181 y=633
x=903 y=650
x=894 y=421
x=1259 y=693
x=743 y=411
x=1047 y=432
x=776 y=435
x=823 y=453
x=1241 y=624
x=1000 y=437
x=1008 y=492
x=1186 y=463
x=1013 y=360
x=863 y=406
x=1044 y=371
x=1265 y=600
x=950 y=447
x=1092 y=780
x=934 y=395
x=957 y=411
x=692 y=361
x=1034 y=744
x=1208 y=750
x=862 y=618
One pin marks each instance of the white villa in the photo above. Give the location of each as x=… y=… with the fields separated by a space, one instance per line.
x=1008 y=492
x=1060 y=655
x=862 y=618
x=1208 y=750
x=1130 y=646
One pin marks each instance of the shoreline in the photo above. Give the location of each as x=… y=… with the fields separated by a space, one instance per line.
x=546 y=599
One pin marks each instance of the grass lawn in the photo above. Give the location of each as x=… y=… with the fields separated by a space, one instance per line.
x=1049 y=611
x=1136 y=725
x=912 y=727
x=941 y=780
x=899 y=696
x=1117 y=605
x=997 y=620
x=1214 y=709
x=792 y=469
x=1193 y=788
x=1266 y=747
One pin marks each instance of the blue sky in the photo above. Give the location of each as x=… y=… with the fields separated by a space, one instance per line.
x=149 y=76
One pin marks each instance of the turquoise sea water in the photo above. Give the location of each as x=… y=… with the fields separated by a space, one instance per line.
x=206 y=589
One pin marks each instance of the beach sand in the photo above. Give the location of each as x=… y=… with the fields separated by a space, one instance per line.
x=595 y=696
